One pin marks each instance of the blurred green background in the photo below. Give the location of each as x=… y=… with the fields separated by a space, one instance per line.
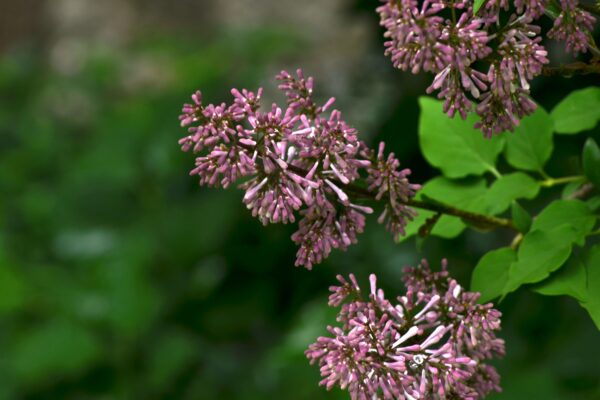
x=120 y=278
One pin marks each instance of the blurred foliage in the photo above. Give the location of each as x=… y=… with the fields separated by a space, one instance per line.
x=121 y=279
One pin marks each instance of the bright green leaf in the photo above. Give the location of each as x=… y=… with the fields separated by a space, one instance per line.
x=570 y=280
x=508 y=188
x=521 y=218
x=571 y=212
x=491 y=273
x=477 y=5
x=591 y=161
x=579 y=111
x=530 y=146
x=540 y=253
x=453 y=145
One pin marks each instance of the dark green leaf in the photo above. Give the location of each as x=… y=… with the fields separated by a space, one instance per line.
x=491 y=273
x=591 y=161
x=578 y=112
x=592 y=303
x=593 y=203
x=530 y=146
x=521 y=218
x=453 y=145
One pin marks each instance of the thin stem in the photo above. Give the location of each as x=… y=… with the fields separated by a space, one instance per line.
x=495 y=172
x=516 y=241
x=481 y=220
x=592 y=8
x=583 y=192
x=478 y=219
x=544 y=174
x=568 y=70
x=549 y=182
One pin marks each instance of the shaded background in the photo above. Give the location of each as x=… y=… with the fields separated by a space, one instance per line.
x=120 y=278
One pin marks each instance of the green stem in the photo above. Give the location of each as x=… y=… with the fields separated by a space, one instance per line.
x=495 y=172
x=549 y=182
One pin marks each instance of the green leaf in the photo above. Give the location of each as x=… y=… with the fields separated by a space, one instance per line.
x=593 y=203
x=540 y=253
x=53 y=350
x=572 y=187
x=491 y=273
x=477 y=5
x=453 y=145
x=570 y=280
x=467 y=192
x=578 y=112
x=579 y=279
x=570 y=212
x=508 y=188
x=521 y=218
x=592 y=303
x=591 y=161
x=530 y=146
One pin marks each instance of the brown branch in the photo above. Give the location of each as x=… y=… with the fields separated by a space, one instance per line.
x=476 y=219
x=576 y=68
x=583 y=192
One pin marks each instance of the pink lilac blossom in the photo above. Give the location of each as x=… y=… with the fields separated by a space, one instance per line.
x=296 y=161
x=390 y=183
x=480 y=64
x=431 y=343
x=573 y=26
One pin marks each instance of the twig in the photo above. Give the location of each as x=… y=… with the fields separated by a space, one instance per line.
x=592 y=8
x=583 y=192
x=569 y=70
x=477 y=219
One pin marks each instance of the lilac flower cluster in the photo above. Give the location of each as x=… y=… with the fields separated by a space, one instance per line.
x=448 y=39
x=297 y=160
x=430 y=344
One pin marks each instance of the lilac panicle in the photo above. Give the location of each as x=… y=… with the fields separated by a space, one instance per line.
x=573 y=26
x=480 y=64
x=391 y=184
x=297 y=161
x=431 y=343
